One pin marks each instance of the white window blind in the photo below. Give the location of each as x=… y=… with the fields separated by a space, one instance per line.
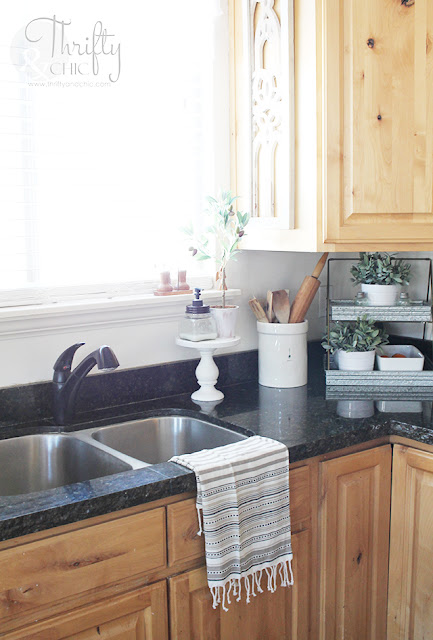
x=105 y=153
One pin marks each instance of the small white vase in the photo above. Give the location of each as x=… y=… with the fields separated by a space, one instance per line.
x=355 y=360
x=381 y=295
x=225 y=319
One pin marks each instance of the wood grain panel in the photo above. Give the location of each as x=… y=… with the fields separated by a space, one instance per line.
x=139 y=615
x=410 y=611
x=354 y=534
x=274 y=616
x=182 y=531
x=378 y=118
x=55 y=569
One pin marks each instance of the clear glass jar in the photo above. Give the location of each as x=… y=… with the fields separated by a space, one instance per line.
x=361 y=298
x=197 y=323
x=197 y=327
x=404 y=300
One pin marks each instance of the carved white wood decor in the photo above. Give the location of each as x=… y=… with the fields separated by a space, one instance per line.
x=268 y=38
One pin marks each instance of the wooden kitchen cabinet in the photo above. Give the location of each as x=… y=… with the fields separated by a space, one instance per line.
x=140 y=615
x=363 y=125
x=410 y=611
x=107 y=578
x=378 y=122
x=274 y=616
x=354 y=542
x=287 y=613
x=53 y=575
x=140 y=573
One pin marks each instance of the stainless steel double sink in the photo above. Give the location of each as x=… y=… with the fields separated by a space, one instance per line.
x=45 y=461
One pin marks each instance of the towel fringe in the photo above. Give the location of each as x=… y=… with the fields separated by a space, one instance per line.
x=252 y=582
x=247 y=587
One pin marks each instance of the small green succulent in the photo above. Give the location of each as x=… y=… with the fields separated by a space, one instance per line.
x=380 y=268
x=361 y=335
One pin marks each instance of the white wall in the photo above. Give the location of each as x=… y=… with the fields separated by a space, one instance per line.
x=30 y=358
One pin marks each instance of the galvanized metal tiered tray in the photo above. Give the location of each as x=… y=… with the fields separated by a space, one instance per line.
x=372 y=379
x=347 y=310
x=400 y=383
x=391 y=393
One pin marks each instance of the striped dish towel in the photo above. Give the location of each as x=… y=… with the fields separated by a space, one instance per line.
x=243 y=499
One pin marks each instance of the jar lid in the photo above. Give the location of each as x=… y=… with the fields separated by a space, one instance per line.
x=197 y=305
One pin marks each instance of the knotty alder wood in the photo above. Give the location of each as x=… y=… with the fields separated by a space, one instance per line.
x=354 y=540
x=274 y=616
x=378 y=121
x=182 y=532
x=410 y=613
x=53 y=570
x=138 y=615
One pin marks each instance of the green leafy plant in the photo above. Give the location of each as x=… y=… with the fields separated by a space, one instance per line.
x=222 y=230
x=380 y=268
x=361 y=335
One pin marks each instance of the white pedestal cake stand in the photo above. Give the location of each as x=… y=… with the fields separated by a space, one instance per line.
x=207 y=371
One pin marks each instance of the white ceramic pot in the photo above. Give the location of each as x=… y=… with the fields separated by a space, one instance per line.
x=381 y=295
x=283 y=354
x=225 y=319
x=355 y=360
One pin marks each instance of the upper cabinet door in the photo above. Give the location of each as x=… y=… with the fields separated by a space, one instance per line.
x=377 y=123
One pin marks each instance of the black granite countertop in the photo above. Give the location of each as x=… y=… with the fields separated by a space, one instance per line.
x=303 y=419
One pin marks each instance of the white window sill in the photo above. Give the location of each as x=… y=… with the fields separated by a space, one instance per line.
x=27 y=321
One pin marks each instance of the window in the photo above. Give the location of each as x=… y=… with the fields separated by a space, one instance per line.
x=113 y=128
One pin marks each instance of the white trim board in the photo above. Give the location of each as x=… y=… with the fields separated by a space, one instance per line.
x=32 y=320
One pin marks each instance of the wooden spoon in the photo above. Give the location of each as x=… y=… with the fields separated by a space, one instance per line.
x=269 y=306
x=258 y=310
x=281 y=305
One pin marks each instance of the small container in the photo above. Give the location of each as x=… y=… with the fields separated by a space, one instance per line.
x=412 y=359
x=182 y=284
x=197 y=324
x=165 y=285
x=404 y=300
x=361 y=298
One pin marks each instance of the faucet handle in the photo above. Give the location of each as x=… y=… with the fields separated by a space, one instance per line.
x=63 y=363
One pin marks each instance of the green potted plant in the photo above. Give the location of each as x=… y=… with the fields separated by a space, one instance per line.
x=380 y=276
x=222 y=229
x=354 y=343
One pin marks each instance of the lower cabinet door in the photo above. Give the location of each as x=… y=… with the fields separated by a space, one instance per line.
x=410 y=609
x=354 y=545
x=138 y=615
x=284 y=614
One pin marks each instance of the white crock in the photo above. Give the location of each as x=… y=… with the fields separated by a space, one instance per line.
x=381 y=295
x=283 y=354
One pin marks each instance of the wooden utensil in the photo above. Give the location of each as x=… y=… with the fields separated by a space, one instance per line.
x=281 y=305
x=258 y=310
x=306 y=293
x=269 y=306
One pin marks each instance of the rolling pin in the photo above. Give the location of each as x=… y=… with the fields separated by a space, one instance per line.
x=306 y=293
